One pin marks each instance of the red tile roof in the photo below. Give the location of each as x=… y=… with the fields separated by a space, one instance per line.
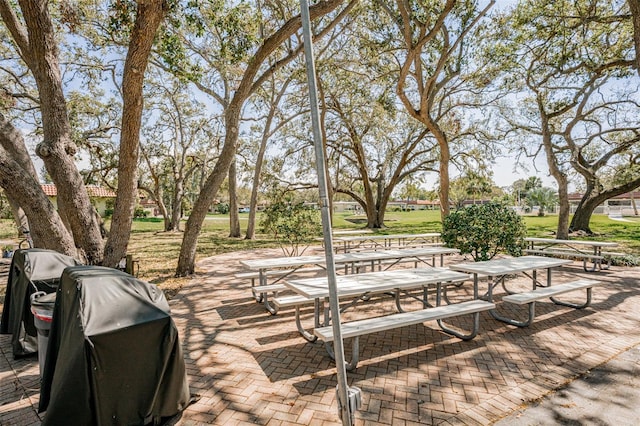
x=98 y=191
x=93 y=191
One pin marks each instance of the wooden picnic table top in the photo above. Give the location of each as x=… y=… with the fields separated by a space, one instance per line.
x=362 y=256
x=509 y=265
x=569 y=242
x=375 y=282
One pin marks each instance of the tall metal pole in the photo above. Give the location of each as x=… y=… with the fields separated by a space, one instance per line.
x=343 y=387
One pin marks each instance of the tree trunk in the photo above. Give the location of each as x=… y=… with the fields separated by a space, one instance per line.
x=584 y=211
x=186 y=259
x=253 y=204
x=157 y=193
x=165 y=216
x=634 y=6
x=444 y=181
x=564 y=210
x=257 y=172
x=19 y=217
x=380 y=218
x=372 y=217
x=40 y=51
x=27 y=192
x=13 y=143
x=234 y=220
x=323 y=133
x=176 y=208
x=445 y=159
x=592 y=198
x=159 y=197
x=148 y=18
x=562 y=231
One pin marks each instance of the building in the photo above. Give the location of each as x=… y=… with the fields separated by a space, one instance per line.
x=620 y=205
x=346 y=206
x=98 y=196
x=422 y=205
x=150 y=206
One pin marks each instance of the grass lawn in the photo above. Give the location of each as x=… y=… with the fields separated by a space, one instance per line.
x=157 y=251
x=624 y=232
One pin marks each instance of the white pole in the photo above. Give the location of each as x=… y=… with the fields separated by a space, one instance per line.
x=343 y=387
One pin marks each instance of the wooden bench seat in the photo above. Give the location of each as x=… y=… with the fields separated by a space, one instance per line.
x=253 y=275
x=547 y=292
x=529 y=298
x=374 y=325
x=355 y=329
x=613 y=254
x=269 y=288
x=564 y=253
x=596 y=259
x=260 y=292
x=289 y=301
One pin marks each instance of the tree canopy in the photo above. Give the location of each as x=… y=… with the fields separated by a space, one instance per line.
x=194 y=102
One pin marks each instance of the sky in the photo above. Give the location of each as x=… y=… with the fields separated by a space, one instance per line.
x=504 y=175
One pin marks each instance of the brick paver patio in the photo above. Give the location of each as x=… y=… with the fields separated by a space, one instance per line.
x=248 y=367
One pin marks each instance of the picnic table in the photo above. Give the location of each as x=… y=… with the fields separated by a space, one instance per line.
x=586 y=250
x=362 y=286
x=379 y=241
x=352 y=232
x=352 y=262
x=496 y=270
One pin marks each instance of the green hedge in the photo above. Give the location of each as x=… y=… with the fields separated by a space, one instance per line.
x=484 y=230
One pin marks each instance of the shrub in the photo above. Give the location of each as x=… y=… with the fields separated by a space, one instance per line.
x=222 y=208
x=291 y=224
x=139 y=212
x=484 y=230
x=625 y=260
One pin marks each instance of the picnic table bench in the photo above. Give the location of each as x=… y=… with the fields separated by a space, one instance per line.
x=340 y=232
x=530 y=298
x=586 y=250
x=362 y=286
x=259 y=291
x=380 y=241
x=497 y=269
x=355 y=329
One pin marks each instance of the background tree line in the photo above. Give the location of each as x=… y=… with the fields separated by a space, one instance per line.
x=183 y=100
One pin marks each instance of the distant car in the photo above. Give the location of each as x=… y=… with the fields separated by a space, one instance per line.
x=243 y=210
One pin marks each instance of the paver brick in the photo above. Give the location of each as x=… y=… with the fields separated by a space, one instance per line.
x=249 y=367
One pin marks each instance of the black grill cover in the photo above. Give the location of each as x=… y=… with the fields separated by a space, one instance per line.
x=114 y=356
x=32 y=270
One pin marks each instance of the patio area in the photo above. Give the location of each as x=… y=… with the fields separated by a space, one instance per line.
x=248 y=367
